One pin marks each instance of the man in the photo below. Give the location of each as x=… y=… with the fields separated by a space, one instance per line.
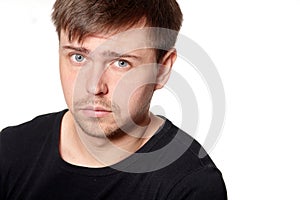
x=113 y=55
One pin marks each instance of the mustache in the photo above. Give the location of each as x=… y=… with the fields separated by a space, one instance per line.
x=102 y=102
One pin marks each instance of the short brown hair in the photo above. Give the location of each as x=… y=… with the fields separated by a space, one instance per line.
x=81 y=18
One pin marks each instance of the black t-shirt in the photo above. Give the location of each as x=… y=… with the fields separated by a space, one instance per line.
x=166 y=167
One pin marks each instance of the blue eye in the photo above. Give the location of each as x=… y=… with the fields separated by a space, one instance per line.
x=121 y=63
x=78 y=58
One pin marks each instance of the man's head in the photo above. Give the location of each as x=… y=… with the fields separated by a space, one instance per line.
x=81 y=18
x=108 y=63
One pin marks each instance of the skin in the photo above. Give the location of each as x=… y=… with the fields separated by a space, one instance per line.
x=108 y=82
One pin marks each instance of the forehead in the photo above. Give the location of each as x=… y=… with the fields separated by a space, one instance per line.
x=133 y=43
x=128 y=40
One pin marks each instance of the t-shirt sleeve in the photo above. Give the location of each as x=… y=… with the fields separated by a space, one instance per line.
x=203 y=184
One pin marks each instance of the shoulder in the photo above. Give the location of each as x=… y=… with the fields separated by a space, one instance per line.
x=204 y=183
x=186 y=152
x=192 y=174
x=23 y=137
x=42 y=122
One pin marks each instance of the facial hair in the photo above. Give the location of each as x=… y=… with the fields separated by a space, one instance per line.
x=96 y=126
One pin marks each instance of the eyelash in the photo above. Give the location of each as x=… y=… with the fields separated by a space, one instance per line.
x=73 y=58
x=116 y=62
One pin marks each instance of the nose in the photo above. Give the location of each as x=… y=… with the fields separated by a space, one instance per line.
x=96 y=80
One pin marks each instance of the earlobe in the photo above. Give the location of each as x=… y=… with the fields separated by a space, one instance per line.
x=164 y=68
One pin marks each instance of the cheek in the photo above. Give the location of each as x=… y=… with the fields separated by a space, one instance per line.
x=140 y=99
x=68 y=78
x=134 y=90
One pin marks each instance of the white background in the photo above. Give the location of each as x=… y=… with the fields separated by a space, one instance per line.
x=255 y=46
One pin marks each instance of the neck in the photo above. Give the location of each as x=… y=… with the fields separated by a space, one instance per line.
x=81 y=149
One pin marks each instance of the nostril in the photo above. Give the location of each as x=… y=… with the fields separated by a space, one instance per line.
x=98 y=89
x=97 y=85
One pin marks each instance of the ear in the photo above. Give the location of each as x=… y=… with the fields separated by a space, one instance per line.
x=164 y=68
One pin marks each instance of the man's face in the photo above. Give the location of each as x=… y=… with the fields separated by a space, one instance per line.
x=108 y=82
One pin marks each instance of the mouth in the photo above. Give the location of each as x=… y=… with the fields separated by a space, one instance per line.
x=95 y=111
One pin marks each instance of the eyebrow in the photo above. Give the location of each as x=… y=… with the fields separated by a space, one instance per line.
x=106 y=53
x=119 y=55
x=80 y=49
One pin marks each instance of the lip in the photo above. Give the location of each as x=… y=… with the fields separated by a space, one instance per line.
x=95 y=111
